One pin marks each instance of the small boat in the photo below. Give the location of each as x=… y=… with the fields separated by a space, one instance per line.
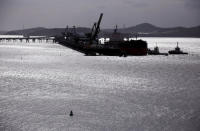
x=177 y=51
x=156 y=51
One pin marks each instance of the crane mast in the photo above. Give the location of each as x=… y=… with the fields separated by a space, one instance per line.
x=96 y=28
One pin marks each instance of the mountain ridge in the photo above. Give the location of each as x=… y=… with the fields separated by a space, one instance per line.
x=144 y=29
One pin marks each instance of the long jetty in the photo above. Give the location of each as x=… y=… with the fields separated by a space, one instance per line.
x=33 y=39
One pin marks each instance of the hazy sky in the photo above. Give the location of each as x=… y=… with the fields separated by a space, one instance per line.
x=59 y=13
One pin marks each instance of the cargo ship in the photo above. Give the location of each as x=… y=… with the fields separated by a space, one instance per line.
x=90 y=45
x=120 y=47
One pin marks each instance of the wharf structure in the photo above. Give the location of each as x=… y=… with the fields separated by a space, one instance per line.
x=21 y=38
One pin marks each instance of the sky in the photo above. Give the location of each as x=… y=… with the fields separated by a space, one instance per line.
x=14 y=14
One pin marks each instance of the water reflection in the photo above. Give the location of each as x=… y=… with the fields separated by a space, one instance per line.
x=104 y=92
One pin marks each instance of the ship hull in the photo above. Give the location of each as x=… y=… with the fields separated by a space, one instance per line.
x=132 y=48
x=177 y=53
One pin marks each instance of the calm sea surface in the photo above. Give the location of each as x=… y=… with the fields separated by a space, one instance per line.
x=41 y=83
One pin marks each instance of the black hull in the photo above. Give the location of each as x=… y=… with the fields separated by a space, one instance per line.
x=177 y=53
x=125 y=50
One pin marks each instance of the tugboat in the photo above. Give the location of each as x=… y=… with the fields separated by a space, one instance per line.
x=177 y=51
x=156 y=51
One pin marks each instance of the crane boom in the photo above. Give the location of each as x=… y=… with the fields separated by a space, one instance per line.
x=97 y=28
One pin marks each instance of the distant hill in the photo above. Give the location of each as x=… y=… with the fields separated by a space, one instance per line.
x=145 y=29
x=150 y=30
x=2 y=32
x=40 y=31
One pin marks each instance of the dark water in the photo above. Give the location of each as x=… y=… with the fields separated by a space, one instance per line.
x=41 y=83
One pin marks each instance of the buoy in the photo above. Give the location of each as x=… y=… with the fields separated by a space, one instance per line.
x=71 y=113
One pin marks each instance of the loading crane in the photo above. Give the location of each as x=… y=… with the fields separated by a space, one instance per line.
x=96 y=29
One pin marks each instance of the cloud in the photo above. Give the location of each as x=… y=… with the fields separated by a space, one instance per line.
x=3 y=3
x=58 y=13
x=136 y=4
x=193 y=4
